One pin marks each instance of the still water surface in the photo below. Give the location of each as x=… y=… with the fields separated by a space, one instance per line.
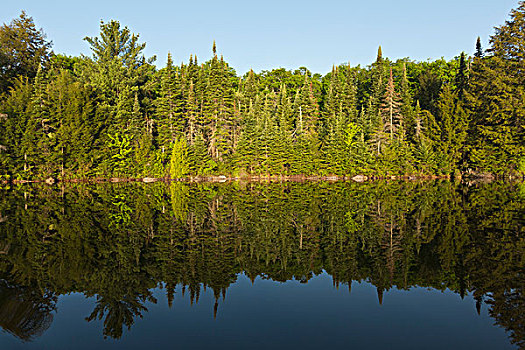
x=385 y=265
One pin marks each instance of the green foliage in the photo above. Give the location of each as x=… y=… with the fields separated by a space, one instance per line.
x=23 y=50
x=114 y=113
x=496 y=100
x=179 y=166
x=119 y=147
x=121 y=242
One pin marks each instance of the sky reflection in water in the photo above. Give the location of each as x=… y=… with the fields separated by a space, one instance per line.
x=99 y=266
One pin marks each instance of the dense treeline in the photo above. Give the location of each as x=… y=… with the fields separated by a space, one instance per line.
x=115 y=114
x=119 y=242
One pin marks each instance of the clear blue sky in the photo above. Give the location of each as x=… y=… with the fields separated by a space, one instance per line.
x=270 y=34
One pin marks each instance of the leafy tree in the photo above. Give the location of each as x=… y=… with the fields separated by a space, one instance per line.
x=114 y=113
x=179 y=159
x=23 y=50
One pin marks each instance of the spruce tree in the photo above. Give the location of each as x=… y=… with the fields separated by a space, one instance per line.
x=75 y=148
x=348 y=95
x=479 y=49
x=306 y=146
x=462 y=77
x=283 y=145
x=169 y=107
x=247 y=149
x=406 y=107
x=377 y=87
x=191 y=113
x=453 y=121
x=21 y=129
x=497 y=100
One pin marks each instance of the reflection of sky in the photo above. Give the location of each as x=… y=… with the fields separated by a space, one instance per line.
x=284 y=315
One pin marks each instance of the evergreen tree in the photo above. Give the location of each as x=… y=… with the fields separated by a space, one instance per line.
x=462 y=77
x=348 y=95
x=406 y=106
x=249 y=90
x=306 y=145
x=479 y=49
x=169 y=107
x=497 y=100
x=453 y=121
x=425 y=157
x=390 y=110
x=115 y=114
x=23 y=50
x=191 y=113
x=179 y=159
x=377 y=89
x=75 y=141
x=283 y=143
x=117 y=71
x=21 y=130
x=200 y=162
x=249 y=148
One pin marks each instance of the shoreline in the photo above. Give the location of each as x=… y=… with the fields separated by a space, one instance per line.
x=269 y=178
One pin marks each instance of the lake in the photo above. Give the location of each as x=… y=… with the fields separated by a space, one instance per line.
x=396 y=265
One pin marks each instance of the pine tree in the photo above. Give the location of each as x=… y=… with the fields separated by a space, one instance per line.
x=249 y=90
x=462 y=77
x=200 y=163
x=283 y=146
x=21 y=129
x=377 y=88
x=425 y=158
x=248 y=148
x=23 y=51
x=453 y=122
x=218 y=109
x=406 y=107
x=479 y=49
x=45 y=125
x=225 y=126
x=169 y=107
x=117 y=71
x=331 y=103
x=306 y=146
x=271 y=164
x=497 y=100
x=348 y=95
x=390 y=110
x=75 y=145
x=191 y=113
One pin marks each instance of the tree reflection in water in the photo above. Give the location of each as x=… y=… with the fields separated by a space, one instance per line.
x=24 y=312
x=120 y=242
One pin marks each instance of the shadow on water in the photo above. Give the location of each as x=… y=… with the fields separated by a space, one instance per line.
x=25 y=312
x=119 y=242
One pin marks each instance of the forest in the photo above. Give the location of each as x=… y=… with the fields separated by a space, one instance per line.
x=117 y=243
x=115 y=114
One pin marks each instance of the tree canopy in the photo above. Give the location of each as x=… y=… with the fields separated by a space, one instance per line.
x=114 y=114
x=23 y=50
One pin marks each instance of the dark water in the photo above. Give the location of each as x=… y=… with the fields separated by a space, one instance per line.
x=428 y=265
